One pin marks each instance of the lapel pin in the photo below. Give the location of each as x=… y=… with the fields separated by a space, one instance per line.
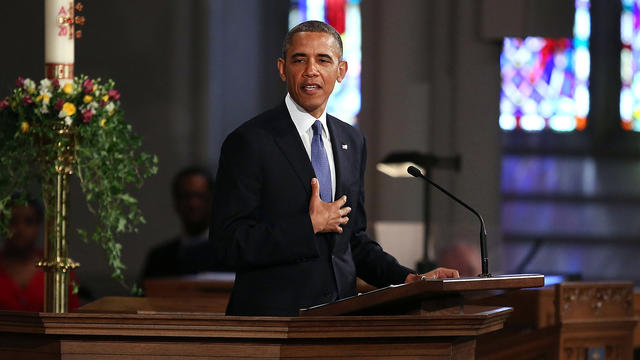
x=345 y=146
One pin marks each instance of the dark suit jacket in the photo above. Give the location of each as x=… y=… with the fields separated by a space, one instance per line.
x=262 y=226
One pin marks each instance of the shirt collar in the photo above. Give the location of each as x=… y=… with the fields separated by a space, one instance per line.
x=302 y=119
x=187 y=240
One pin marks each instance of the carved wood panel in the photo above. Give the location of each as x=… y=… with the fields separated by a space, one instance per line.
x=581 y=301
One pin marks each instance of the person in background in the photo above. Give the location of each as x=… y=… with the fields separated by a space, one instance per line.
x=21 y=282
x=462 y=256
x=190 y=251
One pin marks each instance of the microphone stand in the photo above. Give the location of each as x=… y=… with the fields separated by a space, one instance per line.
x=413 y=171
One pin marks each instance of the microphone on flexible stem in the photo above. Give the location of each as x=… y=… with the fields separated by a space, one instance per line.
x=413 y=171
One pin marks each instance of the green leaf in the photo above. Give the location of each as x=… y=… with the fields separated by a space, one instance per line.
x=128 y=199
x=121 y=224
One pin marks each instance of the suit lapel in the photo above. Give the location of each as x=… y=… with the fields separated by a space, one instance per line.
x=288 y=139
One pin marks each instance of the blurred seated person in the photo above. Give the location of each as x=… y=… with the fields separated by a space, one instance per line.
x=462 y=256
x=190 y=252
x=21 y=282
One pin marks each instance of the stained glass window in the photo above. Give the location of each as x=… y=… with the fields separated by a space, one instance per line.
x=545 y=81
x=344 y=16
x=630 y=65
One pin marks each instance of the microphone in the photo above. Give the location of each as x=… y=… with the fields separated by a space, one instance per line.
x=413 y=171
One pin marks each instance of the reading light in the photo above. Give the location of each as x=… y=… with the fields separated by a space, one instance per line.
x=396 y=164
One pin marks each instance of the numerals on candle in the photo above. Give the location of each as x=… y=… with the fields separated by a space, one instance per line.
x=67 y=19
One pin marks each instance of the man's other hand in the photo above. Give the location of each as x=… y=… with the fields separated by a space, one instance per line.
x=325 y=216
x=438 y=273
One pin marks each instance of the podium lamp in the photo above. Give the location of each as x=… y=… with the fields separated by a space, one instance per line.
x=396 y=164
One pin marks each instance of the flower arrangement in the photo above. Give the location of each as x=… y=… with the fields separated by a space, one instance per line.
x=77 y=126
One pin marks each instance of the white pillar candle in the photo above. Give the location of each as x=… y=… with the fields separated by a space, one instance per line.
x=58 y=39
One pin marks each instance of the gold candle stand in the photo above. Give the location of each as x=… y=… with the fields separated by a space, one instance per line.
x=56 y=263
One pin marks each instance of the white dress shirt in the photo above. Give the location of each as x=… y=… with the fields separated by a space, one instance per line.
x=304 y=122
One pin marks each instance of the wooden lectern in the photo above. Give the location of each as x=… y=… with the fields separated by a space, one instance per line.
x=422 y=320
x=422 y=297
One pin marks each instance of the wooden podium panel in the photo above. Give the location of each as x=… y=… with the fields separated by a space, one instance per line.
x=409 y=298
x=204 y=285
x=214 y=286
x=138 y=305
x=182 y=335
x=176 y=328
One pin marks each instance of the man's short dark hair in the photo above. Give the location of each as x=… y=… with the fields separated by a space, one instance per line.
x=310 y=26
x=188 y=171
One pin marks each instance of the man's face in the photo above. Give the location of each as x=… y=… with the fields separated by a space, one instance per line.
x=311 y=70
x=193 y=203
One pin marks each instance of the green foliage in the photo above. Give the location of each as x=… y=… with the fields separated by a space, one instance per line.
x=79 y=125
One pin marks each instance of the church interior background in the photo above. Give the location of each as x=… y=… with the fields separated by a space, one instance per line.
x=541 y=103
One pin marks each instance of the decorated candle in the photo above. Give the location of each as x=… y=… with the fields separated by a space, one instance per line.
x=59 y=39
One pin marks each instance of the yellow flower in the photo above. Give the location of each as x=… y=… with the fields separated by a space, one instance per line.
x=105 y=98
x=87 y=99
x=69 y=109
x=44 y=97
x=67 y=88
x=103 y=122
x=24 y=127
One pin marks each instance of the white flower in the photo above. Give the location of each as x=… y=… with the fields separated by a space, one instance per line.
x=45 y=85
x=30 y=86
x=93 y=106
x=68 y=121
x=43 y=99
x=109 y=108
x=63 y=114
x=46 y=96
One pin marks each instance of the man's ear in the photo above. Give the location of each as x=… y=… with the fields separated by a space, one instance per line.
x=281 y=69
x=342 y=70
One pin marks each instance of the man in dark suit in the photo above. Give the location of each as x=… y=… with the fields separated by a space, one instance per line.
x=275 y=218
x=190 y=252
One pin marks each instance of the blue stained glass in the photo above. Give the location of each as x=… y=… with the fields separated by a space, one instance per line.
x=544 y=80
x=630 y=65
